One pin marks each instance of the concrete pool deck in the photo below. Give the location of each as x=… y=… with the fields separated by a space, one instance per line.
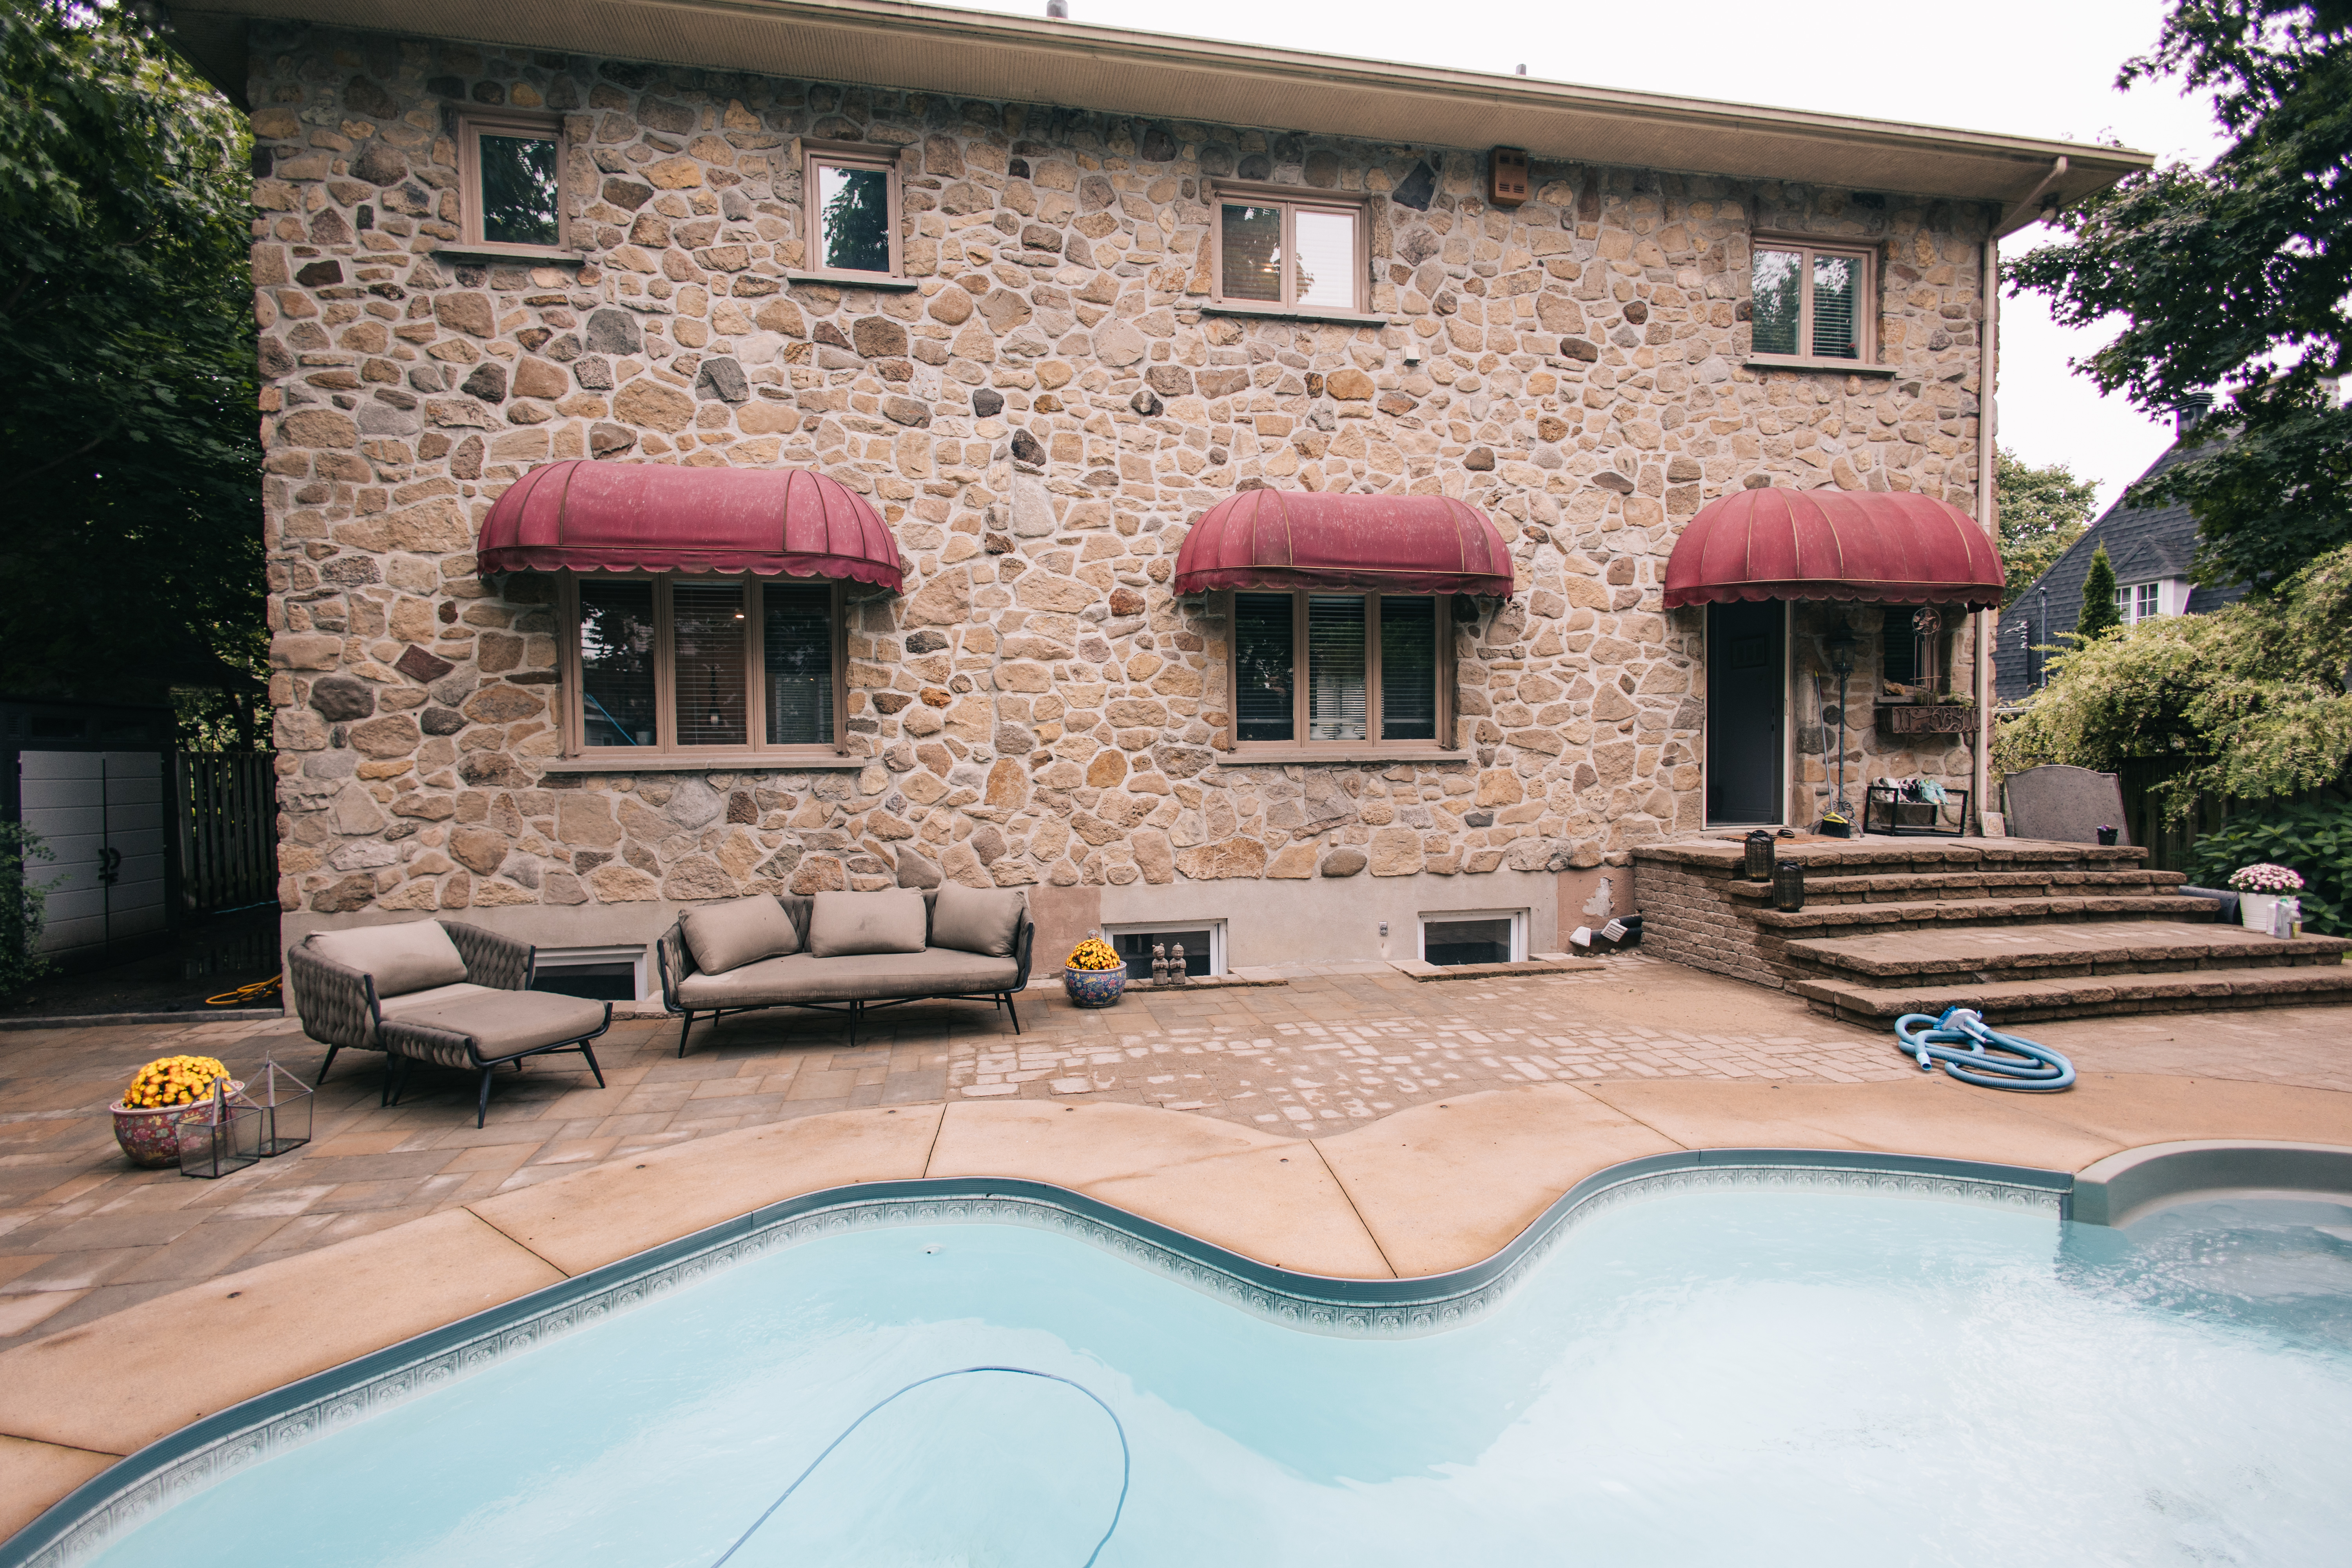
x=1644 y=1060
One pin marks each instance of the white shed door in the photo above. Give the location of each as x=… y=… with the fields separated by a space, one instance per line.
x=101 y=814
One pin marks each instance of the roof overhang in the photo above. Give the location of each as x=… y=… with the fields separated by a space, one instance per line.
x=965 y=54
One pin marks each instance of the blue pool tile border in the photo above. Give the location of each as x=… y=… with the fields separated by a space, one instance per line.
x=159 y=1475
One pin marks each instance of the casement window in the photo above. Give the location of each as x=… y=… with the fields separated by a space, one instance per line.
x=1284 y=252
x=2138 y=602
x=1814 y=304
x=511 y=183
x=1341 y=670
x=1911 y=646
x=668 y=666
x=852 y=209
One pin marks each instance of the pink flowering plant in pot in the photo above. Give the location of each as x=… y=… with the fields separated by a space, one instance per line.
x=2265 y=878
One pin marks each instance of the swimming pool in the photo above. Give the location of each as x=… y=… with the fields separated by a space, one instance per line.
x=1764 y=1375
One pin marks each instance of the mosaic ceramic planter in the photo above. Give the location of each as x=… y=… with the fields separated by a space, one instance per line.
x=1094 y=987
x=152 y=1138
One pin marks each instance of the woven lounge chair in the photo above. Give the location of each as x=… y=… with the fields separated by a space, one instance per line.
x=429 y=990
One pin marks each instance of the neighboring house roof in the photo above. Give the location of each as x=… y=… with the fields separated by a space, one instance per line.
x=1115 y=70
x=2144 y=545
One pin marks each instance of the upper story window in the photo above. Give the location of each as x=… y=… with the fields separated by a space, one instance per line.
x=1282 y=249
x=852 y=200
x=2138 y=602
x=512 y=174
x=1349 y=669
x=1814 y=303
x=666 y=665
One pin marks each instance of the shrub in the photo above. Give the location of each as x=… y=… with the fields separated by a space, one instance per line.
x=22 y=914
x=2311 y=837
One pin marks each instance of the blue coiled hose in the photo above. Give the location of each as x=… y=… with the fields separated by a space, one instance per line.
x=1993 y=1060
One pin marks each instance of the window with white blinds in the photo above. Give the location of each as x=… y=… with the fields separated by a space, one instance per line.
x=1315 y=670
x=655 y=665
x=1275 y=250
x=1812 y=303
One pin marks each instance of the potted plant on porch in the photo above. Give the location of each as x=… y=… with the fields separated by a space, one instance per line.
x=1094 y=975
x=2259 y=887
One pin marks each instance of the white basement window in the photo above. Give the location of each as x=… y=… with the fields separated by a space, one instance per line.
x=1451 y=937
x=1203 y=943
x=599 y=974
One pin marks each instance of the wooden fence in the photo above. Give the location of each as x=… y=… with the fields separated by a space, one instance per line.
x=227 y=819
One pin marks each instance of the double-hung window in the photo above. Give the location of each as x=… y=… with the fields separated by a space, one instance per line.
x=1283 y=252
x=511 y=183
x=2138 y=602
x=851 y=197
x=667 y=665
x=1813 y=304
x=1341 y=670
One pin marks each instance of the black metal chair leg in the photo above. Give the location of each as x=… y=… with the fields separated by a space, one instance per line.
x=482 y=1106
x=857 y=1015
x=683 y=1030
x=592 y=1063
x=1013 y=1010
x=396 y=1080
x=325 y=1065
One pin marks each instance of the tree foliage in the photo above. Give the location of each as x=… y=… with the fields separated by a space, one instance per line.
x=2099 y=615
x=2042 y=511
x=2235 y=277
x=2251 y=698
x=127 y=367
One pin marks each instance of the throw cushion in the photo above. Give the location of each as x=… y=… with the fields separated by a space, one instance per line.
x=845 y=923
x=972 y=920
x=401 y=958
x=732 y=934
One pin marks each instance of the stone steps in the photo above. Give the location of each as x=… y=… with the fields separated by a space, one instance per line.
x=2031 y=952
x=1935 y=912
x=2037 y=882
x=2006 y=1001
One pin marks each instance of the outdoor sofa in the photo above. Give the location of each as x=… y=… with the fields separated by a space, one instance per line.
x=432 y=991
x=847 y=952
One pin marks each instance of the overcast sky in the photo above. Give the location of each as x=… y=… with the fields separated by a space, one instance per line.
x=2029 y=68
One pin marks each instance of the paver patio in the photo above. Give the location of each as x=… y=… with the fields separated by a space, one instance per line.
x=82 y=1233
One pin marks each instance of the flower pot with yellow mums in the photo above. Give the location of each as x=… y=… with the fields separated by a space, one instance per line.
x=1094 y=975
x=165 y=1091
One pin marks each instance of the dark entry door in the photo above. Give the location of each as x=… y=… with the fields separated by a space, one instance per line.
x=1744 y=759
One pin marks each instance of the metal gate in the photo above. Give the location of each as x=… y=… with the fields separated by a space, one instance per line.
x=227 y=818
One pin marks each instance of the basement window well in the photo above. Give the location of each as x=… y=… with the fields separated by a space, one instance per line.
x=1203 y=943
x=1453 y=937
x=597 y=973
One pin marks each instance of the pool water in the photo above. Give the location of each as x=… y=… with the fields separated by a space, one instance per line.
x=1723 y=1378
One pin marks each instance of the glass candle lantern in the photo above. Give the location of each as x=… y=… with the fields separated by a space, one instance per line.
x=284 y=1103
x=1789 y=886
x=218 y=1138
x=1760 y=856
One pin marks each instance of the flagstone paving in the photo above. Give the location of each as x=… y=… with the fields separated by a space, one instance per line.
x=82 y=1233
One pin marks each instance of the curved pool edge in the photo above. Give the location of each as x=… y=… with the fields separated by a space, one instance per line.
x=126 y=1493
x=121 y=1496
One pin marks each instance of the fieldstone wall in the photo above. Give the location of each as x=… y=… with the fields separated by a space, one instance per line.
x=1038 y=419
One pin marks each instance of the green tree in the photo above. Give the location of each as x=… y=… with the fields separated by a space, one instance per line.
x=2251 y=697
x=2099 y=615
x=2042 y=511
x=127 y=369
x=2234 y=277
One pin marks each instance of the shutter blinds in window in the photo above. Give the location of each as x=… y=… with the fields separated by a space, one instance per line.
x=1335 y=667
x=1836 y=282
x=1325 y=243
x=708 y=625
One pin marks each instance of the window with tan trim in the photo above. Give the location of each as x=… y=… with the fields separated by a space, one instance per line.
x=1813 y=304
x=1284 y=249
x=850 y=201
x=512 y=189
x=1341 y=670
x=666 y=666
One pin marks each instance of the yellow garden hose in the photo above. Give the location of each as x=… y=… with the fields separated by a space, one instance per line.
x=253 y=993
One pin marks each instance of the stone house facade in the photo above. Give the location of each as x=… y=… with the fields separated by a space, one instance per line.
x=1039 y=402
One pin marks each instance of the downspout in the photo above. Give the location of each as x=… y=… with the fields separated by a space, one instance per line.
x=2016 y=215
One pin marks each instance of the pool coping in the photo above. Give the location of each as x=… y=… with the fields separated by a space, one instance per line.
x=124 y=1494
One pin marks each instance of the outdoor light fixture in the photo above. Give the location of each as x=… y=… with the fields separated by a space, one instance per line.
x=1760 y=856
x=1840 y=645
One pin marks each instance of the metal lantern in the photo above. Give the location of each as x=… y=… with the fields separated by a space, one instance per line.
x=1789 y=886
x=285 y=1102
x=1760 y=856
x=221 y=1137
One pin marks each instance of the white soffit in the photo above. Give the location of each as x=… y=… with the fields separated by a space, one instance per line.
x=962 y=54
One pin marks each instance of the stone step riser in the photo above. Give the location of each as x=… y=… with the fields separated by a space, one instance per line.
x=2027 y=969
x=1914 y=890
x=1873 y=919
x=2012 y=1002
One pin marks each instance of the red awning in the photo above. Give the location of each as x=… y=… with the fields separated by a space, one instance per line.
x=583 y=516
x=1310 y=538
x=1833 y=544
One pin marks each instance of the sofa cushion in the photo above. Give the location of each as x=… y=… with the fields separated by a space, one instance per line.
x=431 y=996
x=868 y=977
x=413 y=955
x=972 y=920
x=843 y=925
x=503 y=1024
x=726 y=936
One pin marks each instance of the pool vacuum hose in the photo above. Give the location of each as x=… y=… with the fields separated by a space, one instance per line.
x=1993 y=1060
